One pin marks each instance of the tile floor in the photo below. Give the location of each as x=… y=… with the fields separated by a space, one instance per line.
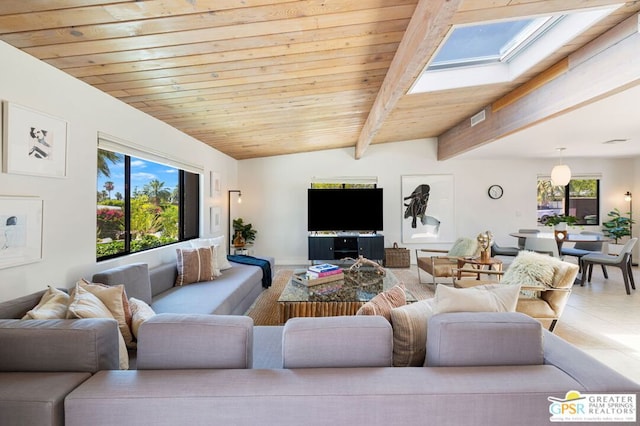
x=604 y=321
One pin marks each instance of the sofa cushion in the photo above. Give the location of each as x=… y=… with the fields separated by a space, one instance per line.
x=84 y=304
x=135 y=278
x=223 y=262
x=482 y=298
x=409 y=325
x=183 y=341
x=384 y=302
x=194 y=265
x=52 y=305
x=36 y=398
x=87 y=345
x=464 y=339
x=342 y=341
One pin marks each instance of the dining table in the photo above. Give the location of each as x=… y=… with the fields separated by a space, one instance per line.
x=567 y=237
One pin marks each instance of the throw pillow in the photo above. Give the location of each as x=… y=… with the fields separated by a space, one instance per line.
x=141 y=312
x=482 y=298
x=409 y=323
x=223 y=262
x=115 y=299
x=383 y=303
x=531 y=269
x=463 y=247
x=53 y=305
x=83 y=304
x=205 y=242
x=194 y=265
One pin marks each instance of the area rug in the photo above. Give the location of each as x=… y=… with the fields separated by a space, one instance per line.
x=265 y=309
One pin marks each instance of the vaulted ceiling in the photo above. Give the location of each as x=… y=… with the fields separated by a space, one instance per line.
x=259 y=78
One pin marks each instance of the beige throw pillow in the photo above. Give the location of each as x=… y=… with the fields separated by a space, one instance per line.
x=409 y=325
x=206 y=242
x=115 y=299
x=194 y=265
x=53 y=305
x=85 y=305
x=141 y=312
x=482 y=298
x=383 y=303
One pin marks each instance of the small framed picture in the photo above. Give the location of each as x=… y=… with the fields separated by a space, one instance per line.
x=20 y=230
x=34 y=143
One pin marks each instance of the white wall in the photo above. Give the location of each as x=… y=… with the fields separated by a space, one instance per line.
x=274 y=188
x=274 y=191
x=69 y=203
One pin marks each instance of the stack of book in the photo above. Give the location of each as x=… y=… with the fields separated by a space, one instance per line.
x=320 y=274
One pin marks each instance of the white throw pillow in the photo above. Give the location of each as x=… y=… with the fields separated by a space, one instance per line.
x=141 y=312
x=221 y=251
x=482 y=298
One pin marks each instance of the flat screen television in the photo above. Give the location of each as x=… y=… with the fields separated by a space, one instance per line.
x=344 y=209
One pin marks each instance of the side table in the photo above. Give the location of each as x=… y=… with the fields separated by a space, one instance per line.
x=492 y=263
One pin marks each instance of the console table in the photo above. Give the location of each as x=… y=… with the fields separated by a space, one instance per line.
x=335 y=247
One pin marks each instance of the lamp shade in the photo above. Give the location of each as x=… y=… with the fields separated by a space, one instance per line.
x=561 y=175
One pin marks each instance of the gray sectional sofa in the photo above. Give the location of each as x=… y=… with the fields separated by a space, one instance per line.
x=212 y=369
x=481 y=368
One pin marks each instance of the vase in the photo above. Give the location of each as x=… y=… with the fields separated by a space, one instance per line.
x=238 y=240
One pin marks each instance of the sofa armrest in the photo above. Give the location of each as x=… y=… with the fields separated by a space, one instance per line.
x=187 y=341
x=79 y=345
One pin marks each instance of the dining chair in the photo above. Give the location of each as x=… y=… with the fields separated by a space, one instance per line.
x=522 y=240
x=497 y=250
x=622 y=261
x=542 y=245
x=582 y=248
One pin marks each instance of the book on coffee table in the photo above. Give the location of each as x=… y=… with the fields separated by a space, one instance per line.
x=302 y=278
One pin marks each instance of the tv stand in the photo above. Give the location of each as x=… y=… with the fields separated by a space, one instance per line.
x=341 y=245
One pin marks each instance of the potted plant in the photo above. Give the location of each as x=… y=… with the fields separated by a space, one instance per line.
x=618 y=226
x=560 y=222
x=244 y=230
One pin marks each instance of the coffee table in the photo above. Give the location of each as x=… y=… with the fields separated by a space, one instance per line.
x=340 y=297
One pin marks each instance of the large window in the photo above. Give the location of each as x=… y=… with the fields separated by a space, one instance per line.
x=580 y=198
x=142 y=204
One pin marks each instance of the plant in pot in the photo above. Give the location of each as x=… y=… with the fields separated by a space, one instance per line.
x=561 y=221
x=244 y=233
x=617 y=226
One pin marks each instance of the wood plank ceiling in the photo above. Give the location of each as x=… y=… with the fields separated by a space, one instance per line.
x=259 y=78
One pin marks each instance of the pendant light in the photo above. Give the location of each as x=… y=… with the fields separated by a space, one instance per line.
x=561 y=174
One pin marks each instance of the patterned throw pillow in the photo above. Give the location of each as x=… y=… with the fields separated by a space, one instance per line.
x=206 y=242
x=383 y=303
x=194 y=265
x=409 y=324
x=52 y=305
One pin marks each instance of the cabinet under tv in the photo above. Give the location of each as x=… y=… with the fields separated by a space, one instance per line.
x=336 y=246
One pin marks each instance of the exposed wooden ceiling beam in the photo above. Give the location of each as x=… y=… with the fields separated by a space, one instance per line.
x=429 y=24
x=606 y=66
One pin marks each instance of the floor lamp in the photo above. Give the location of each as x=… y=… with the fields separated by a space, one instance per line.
x=229 y=214
x=627 y=197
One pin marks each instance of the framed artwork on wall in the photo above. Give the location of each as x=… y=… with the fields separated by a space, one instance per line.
x=34 y=143
x=214 y=184
x=20 y=230
x=214 y=219
x=427 y=209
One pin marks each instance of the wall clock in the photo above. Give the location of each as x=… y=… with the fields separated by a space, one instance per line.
x=495 y=191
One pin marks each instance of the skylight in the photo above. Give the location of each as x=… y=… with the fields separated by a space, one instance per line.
x=497 y=52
